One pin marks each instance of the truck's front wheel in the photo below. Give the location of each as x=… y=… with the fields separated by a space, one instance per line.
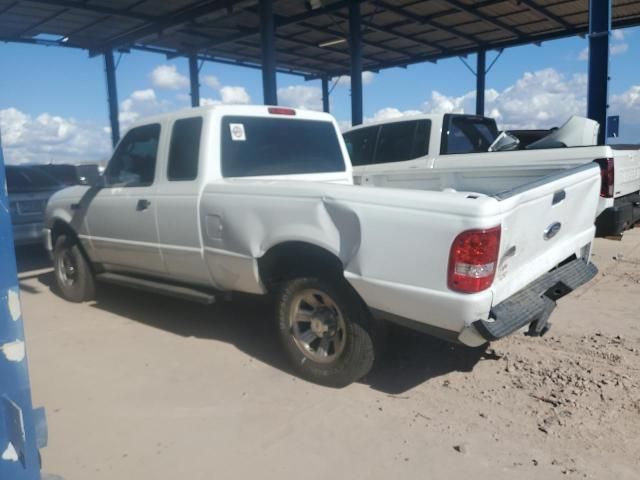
x=74 y=277
x=327 y=331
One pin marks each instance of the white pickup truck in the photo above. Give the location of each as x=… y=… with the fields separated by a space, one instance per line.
x=261 y=200
x=409 y=149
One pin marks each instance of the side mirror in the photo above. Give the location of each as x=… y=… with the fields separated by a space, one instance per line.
x=504 y=142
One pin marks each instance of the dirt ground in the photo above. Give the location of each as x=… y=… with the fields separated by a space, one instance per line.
x=138 y=386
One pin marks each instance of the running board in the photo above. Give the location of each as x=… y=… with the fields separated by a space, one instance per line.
x=177 y=291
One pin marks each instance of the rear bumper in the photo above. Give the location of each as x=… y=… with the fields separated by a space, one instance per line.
x=622 y=216
x=28 y=233
x=533 y=304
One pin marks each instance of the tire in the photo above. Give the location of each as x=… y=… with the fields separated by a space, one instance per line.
x=327 y=331
x=74 y=277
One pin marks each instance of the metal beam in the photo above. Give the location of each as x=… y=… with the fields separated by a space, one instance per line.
x=402 y=12
x=194 y=80
x=481 y=72
x=325 y=94
x=540 y=10
x=166 y=22
x=282 y=22
x=112 y=96
x=599 y=31
x=355 y=44
x=268 y=37
x=487 y=18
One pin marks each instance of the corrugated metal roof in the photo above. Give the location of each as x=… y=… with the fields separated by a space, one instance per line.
x=310 y=42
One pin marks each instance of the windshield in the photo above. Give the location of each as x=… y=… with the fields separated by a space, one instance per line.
x=29 y=179
x=467 y=134
x=255 y=146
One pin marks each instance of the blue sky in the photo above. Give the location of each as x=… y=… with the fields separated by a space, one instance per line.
x=70 y=88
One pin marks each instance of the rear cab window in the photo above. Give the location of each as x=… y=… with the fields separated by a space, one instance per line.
x=184 y=150
x=361 y=145
x=28 y=180
x=401 y=141
x=467 y=134
x=261 y=146
x=389 y=143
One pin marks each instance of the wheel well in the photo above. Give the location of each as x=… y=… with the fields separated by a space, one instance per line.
x=61 y=227
x=295 y=259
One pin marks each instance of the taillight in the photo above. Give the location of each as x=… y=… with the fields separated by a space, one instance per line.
x=281 y=111
x=606 y=174
x=473 y=260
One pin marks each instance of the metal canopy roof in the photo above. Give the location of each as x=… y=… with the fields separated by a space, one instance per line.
x=311 y=36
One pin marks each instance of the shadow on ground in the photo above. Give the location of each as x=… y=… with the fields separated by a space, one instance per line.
x=247 y=321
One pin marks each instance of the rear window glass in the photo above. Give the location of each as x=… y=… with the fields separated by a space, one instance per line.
x=465 y=134
x=361 y=144
x=185 y=149
x=29 y=179
x=400 y=141
x=255 y=146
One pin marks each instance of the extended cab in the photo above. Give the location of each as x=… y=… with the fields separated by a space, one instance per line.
x=382 y=151
x=261 y=200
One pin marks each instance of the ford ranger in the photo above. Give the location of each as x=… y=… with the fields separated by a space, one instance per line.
x=258 y=199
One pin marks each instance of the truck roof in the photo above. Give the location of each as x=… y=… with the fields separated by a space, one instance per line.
x=418 y=116
x=245 y=110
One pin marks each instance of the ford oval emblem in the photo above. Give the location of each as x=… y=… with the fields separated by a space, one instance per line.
x=552 y=230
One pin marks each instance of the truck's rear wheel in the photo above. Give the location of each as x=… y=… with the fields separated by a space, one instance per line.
x=327 y=331
x=74 y=277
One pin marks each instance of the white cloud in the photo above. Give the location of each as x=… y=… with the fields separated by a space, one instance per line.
x=211 y=81
x=301 y=96
x=140 y=104
x=619 y=48
x=234 y=95
x=50 y=138
x=584 y=54
x=167 y=76
x=228 y=96
x=390 y=113
x=345 y=80
x=618 y=35
x=541 y=99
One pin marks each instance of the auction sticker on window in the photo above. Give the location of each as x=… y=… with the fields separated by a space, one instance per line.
x=237 y=132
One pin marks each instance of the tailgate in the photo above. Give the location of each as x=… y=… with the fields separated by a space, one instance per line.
x=544 y=223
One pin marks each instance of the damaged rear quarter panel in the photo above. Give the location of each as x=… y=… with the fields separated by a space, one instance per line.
x=394 y=245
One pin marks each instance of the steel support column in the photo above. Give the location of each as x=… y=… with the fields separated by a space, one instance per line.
x=18 y=443
x=268 y=35
x=355 y=45
x=194 y=79
x=481 y=73
x=599 y=30
x=112 y=96
x=325 y=94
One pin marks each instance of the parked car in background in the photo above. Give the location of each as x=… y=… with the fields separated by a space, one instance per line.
x=261 y=200
x=400 y=151
x=29 y=190
x=72 y=174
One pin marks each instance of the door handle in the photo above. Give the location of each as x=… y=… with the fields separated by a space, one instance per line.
x=142 y=205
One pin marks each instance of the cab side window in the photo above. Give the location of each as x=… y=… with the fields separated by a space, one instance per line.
x=401 y=141
x=134 y=161
x=184 y=151
x=360 y=145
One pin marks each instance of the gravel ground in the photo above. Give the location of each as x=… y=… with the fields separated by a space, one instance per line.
x=145 y=387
